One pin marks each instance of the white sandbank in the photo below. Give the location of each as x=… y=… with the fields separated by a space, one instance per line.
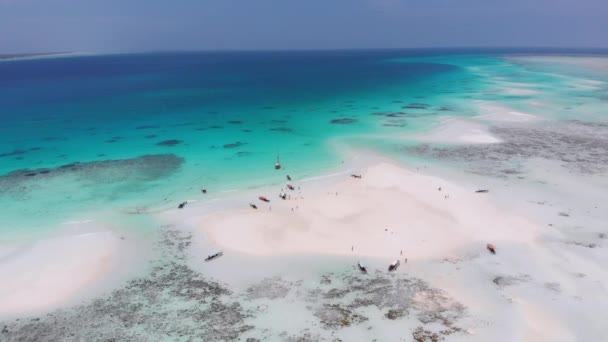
x=458 y=130
x=57 y=271
x=390 y=209
x=537 y=287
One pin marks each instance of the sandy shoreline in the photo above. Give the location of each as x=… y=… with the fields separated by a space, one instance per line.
x=388 y=210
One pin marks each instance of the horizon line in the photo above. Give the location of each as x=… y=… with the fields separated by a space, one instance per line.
x=309 y=49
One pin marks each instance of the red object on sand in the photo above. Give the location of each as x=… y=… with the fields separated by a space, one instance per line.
x=290 y=186
x=263 y=198
x=491 y=248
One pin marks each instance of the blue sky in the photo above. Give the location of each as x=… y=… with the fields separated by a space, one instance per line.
x=137 y=25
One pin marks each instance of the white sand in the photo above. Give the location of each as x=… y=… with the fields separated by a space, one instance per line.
x=54 y=271
x=542 y=297
x=491 y=111
x=458 y=131
x=390 y=209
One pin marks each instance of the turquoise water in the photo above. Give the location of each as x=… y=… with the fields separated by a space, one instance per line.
x=219 y=120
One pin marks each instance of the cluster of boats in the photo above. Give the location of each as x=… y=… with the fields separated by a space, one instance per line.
x=392 y=267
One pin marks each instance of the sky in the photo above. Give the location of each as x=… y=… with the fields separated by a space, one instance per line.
x=150 y=25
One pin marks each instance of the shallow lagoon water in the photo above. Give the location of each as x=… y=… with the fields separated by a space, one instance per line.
x=228 y=115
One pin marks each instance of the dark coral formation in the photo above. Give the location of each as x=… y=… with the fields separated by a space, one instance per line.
x=334 y=316
x=147 y=127
x=173 y=301
x=281 y=129
x=269 y=288
x=12 y=153
x=506 y=280
x=416 y=106
x=170 y=142
x=579 y=146
x=234 y=145
x=143 y=168
x=343 y=121
x=398 y=297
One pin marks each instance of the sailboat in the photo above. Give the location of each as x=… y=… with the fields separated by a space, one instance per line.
x=277 y=165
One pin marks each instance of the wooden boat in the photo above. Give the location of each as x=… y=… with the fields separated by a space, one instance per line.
x=482 y=191
x=362 y=267
x=264 y=199
x=290 y=187
x=253 y=205
x=355 y=176
x=182 y=205
x=394 y=265
x=214 y=256
x=491 y=248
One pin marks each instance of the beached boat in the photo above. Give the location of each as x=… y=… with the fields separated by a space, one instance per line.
x=362 y=267
x=264 y=199
x=491 y=248
x=214 y=256
x=482 y=191
x=182 y=205
x=355 y=176
x=394 y=265
x=253 y=205
x=290 y=187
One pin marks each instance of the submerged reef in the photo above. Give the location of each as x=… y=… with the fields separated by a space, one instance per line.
x=147 y=127
x=579 y=146
x=172 y=301
x=175 y=302
x=12 y=153
x=281 y=129
x=416 y=106
x=343 y=121
x=145 y=168
x=234 y=145
x=170 y=142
